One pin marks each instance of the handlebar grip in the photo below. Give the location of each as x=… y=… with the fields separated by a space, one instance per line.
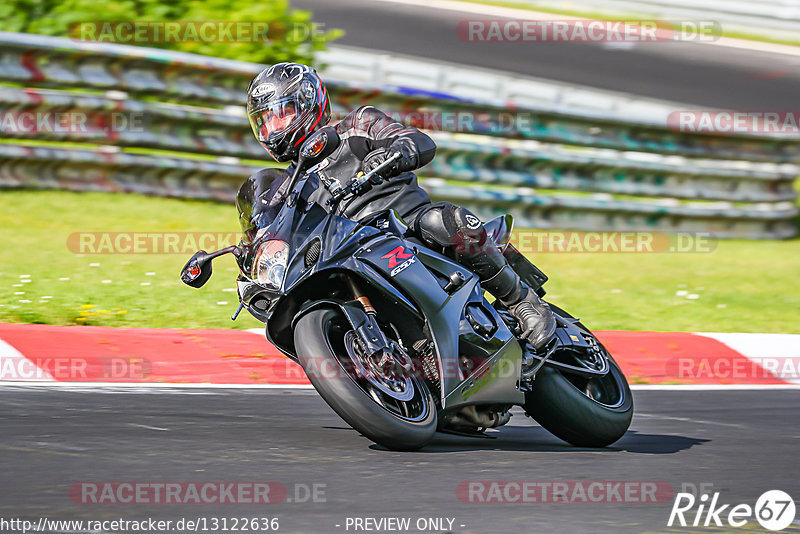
x=388 y=161
x=337 y=193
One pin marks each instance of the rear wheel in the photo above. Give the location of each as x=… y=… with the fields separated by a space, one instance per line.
x=586 y=412
x=396 y=412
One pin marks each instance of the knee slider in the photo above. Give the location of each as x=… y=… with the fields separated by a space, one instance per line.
x=467 y=223
x=470 y=235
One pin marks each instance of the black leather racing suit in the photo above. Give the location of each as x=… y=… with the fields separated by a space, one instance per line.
x=443 y=226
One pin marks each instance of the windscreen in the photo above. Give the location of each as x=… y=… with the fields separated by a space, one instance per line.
x=253 y=200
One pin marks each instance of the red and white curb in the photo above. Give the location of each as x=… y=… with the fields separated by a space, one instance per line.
x=779 y=353
x=144 y=357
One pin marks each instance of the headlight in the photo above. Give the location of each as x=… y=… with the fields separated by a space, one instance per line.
x=270 y=264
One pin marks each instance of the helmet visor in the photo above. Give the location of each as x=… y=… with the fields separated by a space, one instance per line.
x=273 y=117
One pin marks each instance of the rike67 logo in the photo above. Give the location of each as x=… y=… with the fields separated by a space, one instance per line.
x=774 y=510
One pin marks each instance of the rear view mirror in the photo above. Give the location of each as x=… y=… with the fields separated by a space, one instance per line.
x=320 y=145
x=313 y=150
x=197 y=270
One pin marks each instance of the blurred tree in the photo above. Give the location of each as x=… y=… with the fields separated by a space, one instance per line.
x=291 y=35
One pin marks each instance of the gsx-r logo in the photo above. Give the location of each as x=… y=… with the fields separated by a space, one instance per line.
x=395 y=256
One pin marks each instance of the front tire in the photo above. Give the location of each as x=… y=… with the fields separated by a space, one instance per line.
x=319 y=338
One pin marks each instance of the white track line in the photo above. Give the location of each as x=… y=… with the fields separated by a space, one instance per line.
x=148 y=427
x=684 y=419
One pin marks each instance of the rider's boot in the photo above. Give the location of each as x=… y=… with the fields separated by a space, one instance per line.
x=535 y=317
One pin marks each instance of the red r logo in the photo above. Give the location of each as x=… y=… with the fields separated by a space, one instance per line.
x=396 y=255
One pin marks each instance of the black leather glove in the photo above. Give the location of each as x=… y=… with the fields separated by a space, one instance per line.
x=374 y=159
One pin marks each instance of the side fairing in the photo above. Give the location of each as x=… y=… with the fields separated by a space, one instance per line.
x=410 y=269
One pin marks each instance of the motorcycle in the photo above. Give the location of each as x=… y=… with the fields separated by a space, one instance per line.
x=397 y=338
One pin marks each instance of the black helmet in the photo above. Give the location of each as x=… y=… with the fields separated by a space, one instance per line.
x=285 y=103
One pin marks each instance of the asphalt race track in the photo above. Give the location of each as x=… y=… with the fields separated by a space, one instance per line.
x=719 y=77
x=742 y=442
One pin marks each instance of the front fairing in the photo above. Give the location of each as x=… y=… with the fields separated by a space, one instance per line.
x=304 y=221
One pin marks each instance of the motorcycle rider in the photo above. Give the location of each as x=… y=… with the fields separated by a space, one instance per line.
x=287 y=102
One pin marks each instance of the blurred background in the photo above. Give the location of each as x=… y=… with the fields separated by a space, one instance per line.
x=111 y=126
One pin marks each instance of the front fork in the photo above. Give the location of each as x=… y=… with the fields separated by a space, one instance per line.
x=381 y=351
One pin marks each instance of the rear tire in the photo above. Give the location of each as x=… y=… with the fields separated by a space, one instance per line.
x=563 y=407
x=319 y=338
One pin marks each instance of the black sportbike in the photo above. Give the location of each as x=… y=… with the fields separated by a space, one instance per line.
x=399 y=339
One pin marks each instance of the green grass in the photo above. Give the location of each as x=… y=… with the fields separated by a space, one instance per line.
x=743 y=286
x=34 y=230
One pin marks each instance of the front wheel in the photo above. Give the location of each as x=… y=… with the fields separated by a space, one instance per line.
x=399 y=414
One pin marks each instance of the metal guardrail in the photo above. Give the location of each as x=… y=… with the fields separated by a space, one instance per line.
x=45 y=167
x=104 y=170
x=461 y=157
x=562 y=146
x=554 y=212
x=490 y=161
